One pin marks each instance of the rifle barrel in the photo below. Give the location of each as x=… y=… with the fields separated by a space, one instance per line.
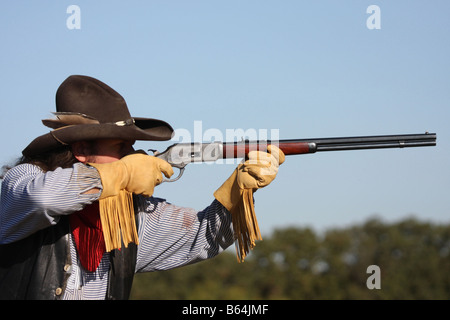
x=375 y=142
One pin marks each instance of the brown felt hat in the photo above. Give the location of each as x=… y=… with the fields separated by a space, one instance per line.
x=88 y=109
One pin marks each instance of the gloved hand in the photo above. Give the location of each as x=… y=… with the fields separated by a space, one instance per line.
x=137 y=173
x=258 y=171
x=236 y=195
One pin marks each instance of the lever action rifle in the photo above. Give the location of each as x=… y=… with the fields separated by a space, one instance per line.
x=179 y=155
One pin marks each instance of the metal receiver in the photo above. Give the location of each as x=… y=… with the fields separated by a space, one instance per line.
x=179 y=155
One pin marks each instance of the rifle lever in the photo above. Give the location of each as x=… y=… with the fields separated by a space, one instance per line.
x=178 y=177
x=164 y=156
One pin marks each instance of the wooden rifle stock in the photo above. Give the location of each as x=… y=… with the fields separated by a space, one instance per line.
x=289 y=147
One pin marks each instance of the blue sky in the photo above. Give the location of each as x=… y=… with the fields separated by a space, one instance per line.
x=306 y=68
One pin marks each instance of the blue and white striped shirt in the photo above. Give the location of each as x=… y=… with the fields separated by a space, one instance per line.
x=169 y=236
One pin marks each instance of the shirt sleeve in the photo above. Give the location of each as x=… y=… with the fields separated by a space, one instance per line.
x=32 y=200
x=172 y=236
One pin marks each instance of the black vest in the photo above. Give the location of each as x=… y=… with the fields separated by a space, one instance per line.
x=37 y=267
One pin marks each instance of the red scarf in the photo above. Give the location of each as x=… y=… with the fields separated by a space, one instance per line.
x=88 y=235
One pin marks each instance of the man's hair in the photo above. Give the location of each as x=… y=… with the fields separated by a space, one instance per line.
x=61 y=157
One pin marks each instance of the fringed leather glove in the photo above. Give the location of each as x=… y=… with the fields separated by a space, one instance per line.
x=137 y=173
x=236 y=194
x=133 y=174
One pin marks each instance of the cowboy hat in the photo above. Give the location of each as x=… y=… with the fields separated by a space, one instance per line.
x=88 y=109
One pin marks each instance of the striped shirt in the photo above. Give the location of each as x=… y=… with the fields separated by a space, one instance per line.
x=169 y=236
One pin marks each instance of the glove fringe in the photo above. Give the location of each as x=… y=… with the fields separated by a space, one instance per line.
x=245 y=225
x=118 y=220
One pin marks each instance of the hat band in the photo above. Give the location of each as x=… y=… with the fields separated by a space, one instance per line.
x=63 y=122
x=64 y=119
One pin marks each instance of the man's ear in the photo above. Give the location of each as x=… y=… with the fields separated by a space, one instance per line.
x=80 y=151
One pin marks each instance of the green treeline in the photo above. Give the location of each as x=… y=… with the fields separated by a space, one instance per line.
x=297 y=263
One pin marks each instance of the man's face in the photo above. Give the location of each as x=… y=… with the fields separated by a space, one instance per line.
x=102 y=151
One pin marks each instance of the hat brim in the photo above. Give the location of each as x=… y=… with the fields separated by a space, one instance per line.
x=142 y=129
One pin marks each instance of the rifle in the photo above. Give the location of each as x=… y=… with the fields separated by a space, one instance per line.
x=179 y=155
